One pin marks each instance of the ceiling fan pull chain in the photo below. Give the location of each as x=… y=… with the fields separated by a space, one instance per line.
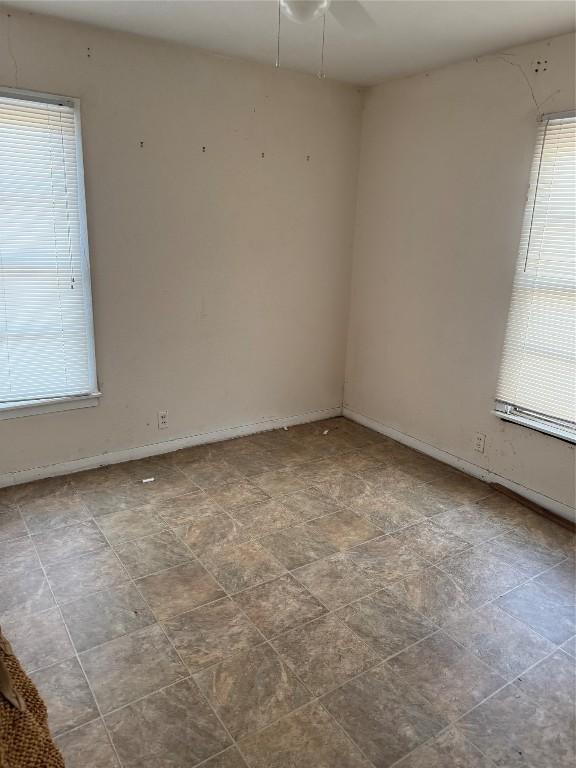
x=321 y=74
x=278 y=38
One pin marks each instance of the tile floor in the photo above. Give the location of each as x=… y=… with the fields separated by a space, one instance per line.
x=319 y=597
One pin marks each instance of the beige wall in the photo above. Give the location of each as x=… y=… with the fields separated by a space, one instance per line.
x=220 y=279
x=444 y=171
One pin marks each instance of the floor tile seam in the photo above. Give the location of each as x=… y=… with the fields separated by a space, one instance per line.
x=146 y=504
x=525 y=623
x=218 y=754
x=523 y=577
x=127 y=578
x=507 y=532
x=187 y=676
x=252 y=539
x=523 y=583
x=233 y=740
x=97 y=719
x=16 y=508
x=78 y=660
x=377 y=657
x=11 y=540
x=345 y=733
x=457 y=723
x=94 y=517
x=153 y=613
x=230 y=597
x=494 y=602
x=234 y=520
x=185 y=667
x=336 y=611
x=317 y=699
x=147 y=695
x=431 y=739
x=507 y=683
x=426 y=566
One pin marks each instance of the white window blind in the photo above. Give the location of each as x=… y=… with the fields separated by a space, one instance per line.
x=46 y=341
x=537 y=380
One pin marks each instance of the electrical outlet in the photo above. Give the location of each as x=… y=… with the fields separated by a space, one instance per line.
x=479 y=442
x=162 y=419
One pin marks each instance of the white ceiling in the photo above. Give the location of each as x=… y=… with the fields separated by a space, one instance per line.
x=408 y=36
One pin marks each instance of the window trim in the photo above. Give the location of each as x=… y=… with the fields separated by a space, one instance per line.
x=547 y=425
x=52 y=405
x=18 y=409
x=537 y=422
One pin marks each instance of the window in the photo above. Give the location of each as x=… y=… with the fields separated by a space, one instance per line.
x=46 y=339
x=537 y=384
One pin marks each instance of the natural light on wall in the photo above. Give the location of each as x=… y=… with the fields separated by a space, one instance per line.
x=537 y=383
x=46 y=341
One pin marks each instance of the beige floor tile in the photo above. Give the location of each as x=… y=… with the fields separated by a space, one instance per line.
x=103 y=616
x=279 y=605
x=73 y=541
x=344 y=529
x=241 y=493
x=11 y=523
x=66 y=695
x=448 y=750
x=56 y=511
x=512 y=730
x=299 y=545
x=173 y=727
x=130 y=667
x=251 y=690
x=383 y=715
x=83 y=575
x=238 y=567
x=88 y=745
x=337 y=580
x=446 y=674
x=387 y=560
x=508 y=646
x=123 y=526
x=209 y=634
x=386 y=623
x=39 y=640
x=179 y=589
x=431 y=541
x=153 y=553
x=308 y=738
x=324 y=653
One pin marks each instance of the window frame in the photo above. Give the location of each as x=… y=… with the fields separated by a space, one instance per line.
x=539 y=422
x=34 y=406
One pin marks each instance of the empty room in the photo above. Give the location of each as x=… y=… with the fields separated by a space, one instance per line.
x=287 y=384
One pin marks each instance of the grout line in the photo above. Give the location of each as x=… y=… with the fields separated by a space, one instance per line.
x=330 y=611
x=188 y=676
x=77 y=656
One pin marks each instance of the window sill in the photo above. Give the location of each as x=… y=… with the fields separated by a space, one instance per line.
x=53 y=405
x=539 y=426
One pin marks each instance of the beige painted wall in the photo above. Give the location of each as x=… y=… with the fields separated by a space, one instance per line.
x=443 y=176
x=220 y=279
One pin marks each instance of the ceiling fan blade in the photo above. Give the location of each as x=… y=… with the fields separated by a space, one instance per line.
x=352 y=15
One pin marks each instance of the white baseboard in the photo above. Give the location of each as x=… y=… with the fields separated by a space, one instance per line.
x=154 y=449
x=564 y=510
